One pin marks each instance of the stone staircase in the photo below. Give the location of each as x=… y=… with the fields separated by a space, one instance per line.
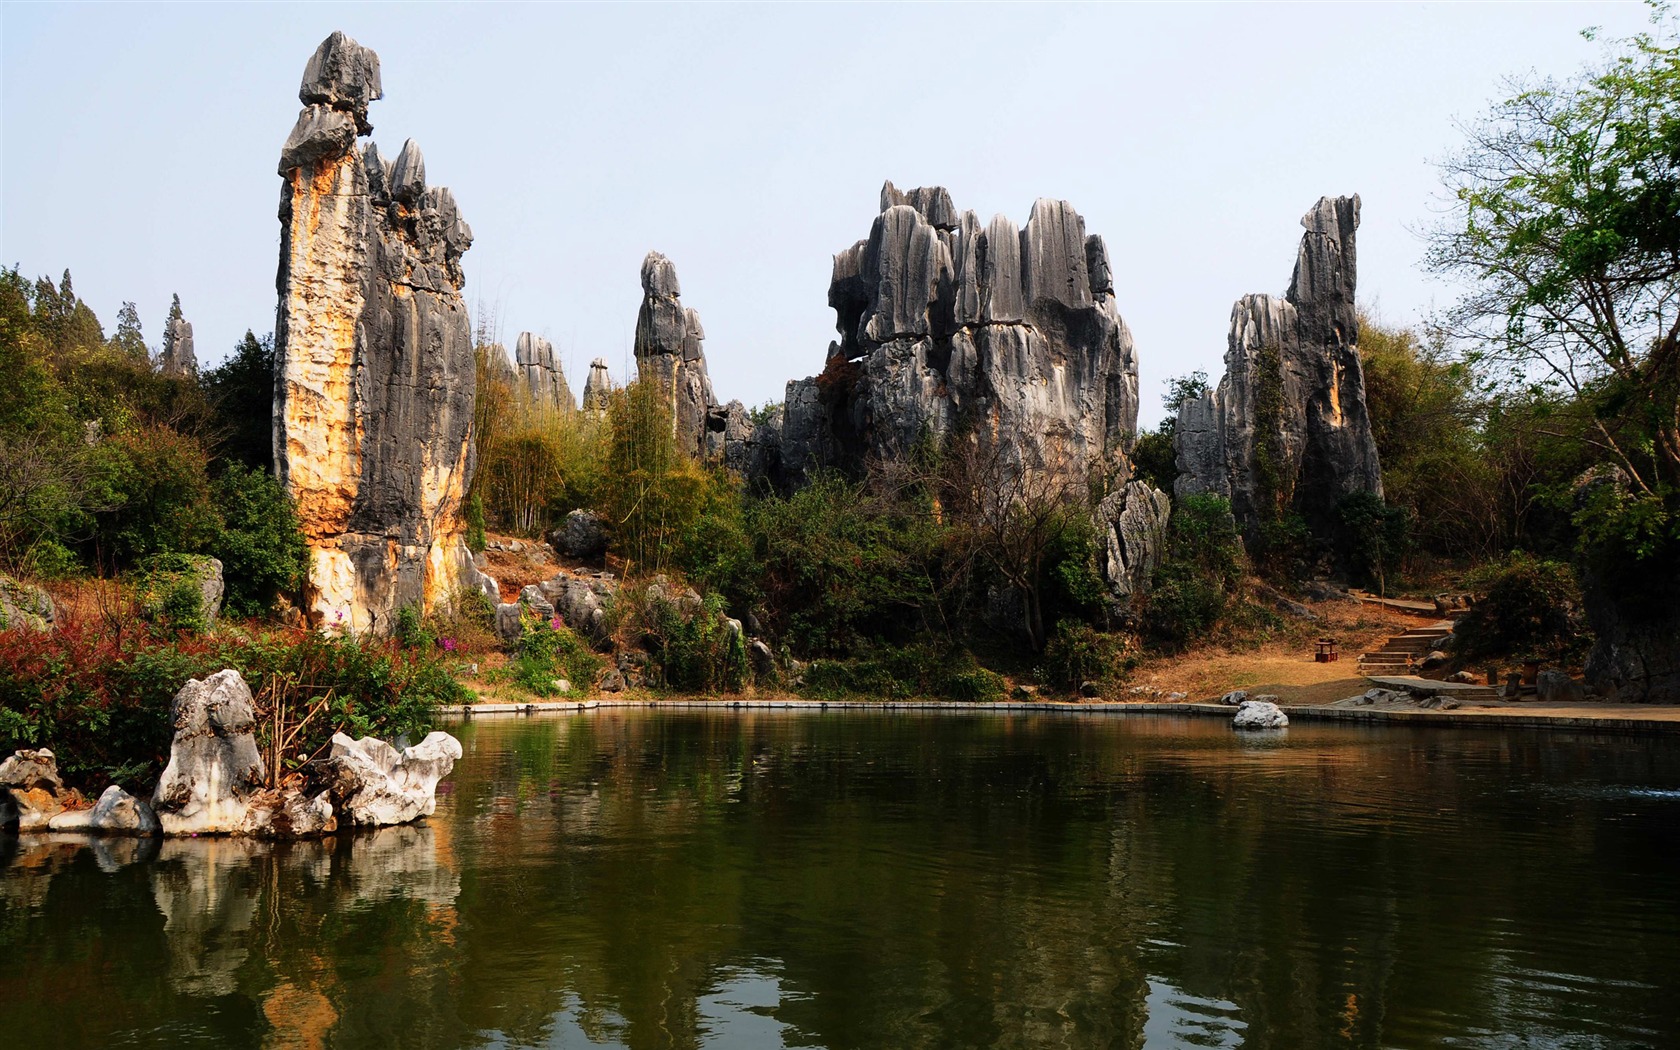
x=1403 y=653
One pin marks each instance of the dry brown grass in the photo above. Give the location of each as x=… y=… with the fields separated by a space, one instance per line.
x=1283 y=665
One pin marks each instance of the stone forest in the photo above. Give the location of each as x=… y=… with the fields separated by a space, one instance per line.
x=538 y=694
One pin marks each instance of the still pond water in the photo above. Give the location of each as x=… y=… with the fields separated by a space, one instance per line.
x=745 y=880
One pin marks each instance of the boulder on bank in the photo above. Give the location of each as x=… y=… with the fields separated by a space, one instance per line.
x=119 y=813
x=582 y=535
x=1259 y=714
x=372 y=784
x=31 y=793
x=214 y=766
x=24 y=607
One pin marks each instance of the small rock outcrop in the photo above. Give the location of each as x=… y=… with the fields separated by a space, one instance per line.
x=375 y=365
x=543 y=378
x=214 y=766
x=1287 y=430
x=23 y=607
x=371 y=784
x=31 y=793
x=1009 y=335
x=177 y=357
x=598 y=387
x=1259 y=713
x=582 y=535
x=669 y=354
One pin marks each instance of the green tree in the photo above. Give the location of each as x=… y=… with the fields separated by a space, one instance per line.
x=1566 y=226
x=260 y=542
x=241 y=394
x=129 y=341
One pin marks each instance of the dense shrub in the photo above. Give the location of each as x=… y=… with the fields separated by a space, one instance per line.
x=155 y=483
x=1079 y=653
x=1200 y=574
x=1528 y=607
x=838 y=566
x=100 y=695
x=549 y=652
x=168 y=591
x=695 y=649
x=903 y=673
x=260 y=542
x=1371 y=538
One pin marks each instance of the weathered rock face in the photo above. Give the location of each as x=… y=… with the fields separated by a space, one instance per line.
x=23 y=607
x=1287 y=429
x=669 y=354
x=376 y=373
x=214 y=766
x=1132 y=522
x=372 y=784
x=541 y=374
x=582 y=535
x=944 y=323
x=177 y=357
x=31 y=793
x=597 y=388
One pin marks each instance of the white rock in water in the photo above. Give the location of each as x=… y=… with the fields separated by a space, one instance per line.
x=1259 y=714
x=213 y=766
x=373 y=784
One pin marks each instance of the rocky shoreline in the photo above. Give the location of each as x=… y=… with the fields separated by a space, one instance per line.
x=216 y=782
x=1630 y=718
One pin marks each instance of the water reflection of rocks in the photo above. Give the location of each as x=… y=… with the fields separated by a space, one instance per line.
x=239 y=928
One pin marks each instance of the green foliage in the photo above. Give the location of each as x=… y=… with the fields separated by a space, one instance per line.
x=839 y=565
x=1372 y=537
x=550 y=652
x=910 y=672
x=260 y=541
x=473 y=512
x=1181 y=389
x=168 y=591
x=1078 y=653
x=240 y=391
x=155 y=485
x=1200 y=575
x=694 y=649
x=1155 y=460
x=1528 y=607
x=411 y=631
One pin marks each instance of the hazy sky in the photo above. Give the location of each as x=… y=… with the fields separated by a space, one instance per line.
x=749 y=144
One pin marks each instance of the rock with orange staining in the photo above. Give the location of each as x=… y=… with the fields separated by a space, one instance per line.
x=374 y=396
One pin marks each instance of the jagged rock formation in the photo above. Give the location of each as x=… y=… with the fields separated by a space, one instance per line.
x=545 y=381
x=598 y=387
x=1287 y=430
x=668 y=353
x=945 y=324
x=371 y=784
x=1132 y=524
x=375 y=372
x=177 y=357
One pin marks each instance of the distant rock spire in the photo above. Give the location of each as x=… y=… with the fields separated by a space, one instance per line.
x=177 y=357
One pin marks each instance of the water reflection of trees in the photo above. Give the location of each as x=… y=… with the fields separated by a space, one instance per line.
x=990 y=881
x=888 y=881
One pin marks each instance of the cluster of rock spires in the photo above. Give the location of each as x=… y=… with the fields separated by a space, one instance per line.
x=215 y=783
x=1286 y=429
x=1007 y=338
x=1011 y=336
x=376 y=371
